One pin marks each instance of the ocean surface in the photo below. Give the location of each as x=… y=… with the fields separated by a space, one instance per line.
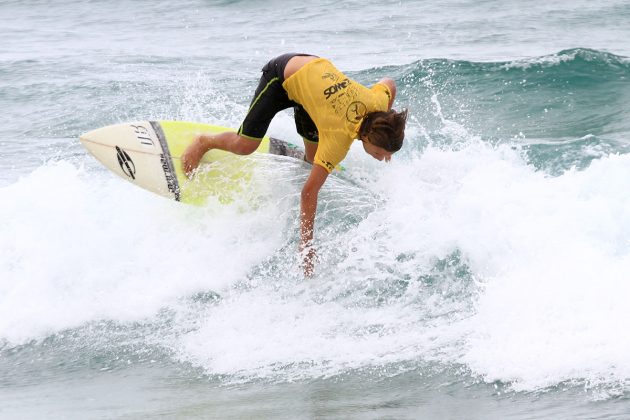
x=483 y=274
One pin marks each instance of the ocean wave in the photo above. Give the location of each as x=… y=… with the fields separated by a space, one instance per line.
x=465 y=257
x=571 y=94
x=573 y=56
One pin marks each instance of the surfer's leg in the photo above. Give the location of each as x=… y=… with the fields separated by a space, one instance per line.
x=269 y=98
x=228 y=141
x=308 y=130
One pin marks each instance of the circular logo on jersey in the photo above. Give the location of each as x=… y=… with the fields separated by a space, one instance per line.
x=356 y=110
x=329 y=76
x=126 y=164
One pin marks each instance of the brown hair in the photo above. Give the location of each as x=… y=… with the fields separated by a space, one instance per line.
x=385 y=129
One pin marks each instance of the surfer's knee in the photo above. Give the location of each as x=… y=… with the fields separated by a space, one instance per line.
x=244 y=146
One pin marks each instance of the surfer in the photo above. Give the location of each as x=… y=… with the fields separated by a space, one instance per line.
x=331 y=111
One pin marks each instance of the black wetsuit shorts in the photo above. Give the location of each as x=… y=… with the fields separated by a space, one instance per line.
x=271 y=98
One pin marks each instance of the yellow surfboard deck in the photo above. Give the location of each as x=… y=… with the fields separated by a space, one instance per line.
x=148 y=154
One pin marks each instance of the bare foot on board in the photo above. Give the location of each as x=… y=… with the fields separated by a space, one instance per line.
x=192 y=156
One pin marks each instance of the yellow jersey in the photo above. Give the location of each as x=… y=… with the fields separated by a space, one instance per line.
x=336 y=104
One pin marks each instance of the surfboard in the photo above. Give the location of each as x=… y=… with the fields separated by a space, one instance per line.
x=148 y=154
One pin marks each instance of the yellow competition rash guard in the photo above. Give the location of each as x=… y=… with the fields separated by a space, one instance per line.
x=336 y=104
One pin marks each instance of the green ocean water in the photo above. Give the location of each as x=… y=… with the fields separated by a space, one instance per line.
x=480 y=275
x=556 y=107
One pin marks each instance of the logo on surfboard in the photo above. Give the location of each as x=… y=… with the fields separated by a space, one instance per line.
x=126 y=164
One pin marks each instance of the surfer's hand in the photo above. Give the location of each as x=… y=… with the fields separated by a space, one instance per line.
x=308 y=207
x=309 y=257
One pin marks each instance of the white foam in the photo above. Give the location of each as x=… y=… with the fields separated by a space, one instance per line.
x=553 y=254
x=260 y=335
x=75 y=249
x=555 y=300
x=545 y=301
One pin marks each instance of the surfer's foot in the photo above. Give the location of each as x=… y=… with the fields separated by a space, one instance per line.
x=192 y=155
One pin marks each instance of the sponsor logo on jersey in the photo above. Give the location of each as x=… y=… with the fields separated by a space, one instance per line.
x=335 y=88
x=356 y=111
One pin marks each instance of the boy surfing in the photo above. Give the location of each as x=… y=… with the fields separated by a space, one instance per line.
x=331 y=111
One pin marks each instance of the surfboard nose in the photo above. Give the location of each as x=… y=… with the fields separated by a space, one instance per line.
x=134 y=152
x=137 y=136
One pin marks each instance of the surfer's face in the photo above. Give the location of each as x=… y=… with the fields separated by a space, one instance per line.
x=377 y=152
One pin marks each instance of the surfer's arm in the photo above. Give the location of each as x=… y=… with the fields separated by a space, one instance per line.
x=308 y=208
x=391 y=85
